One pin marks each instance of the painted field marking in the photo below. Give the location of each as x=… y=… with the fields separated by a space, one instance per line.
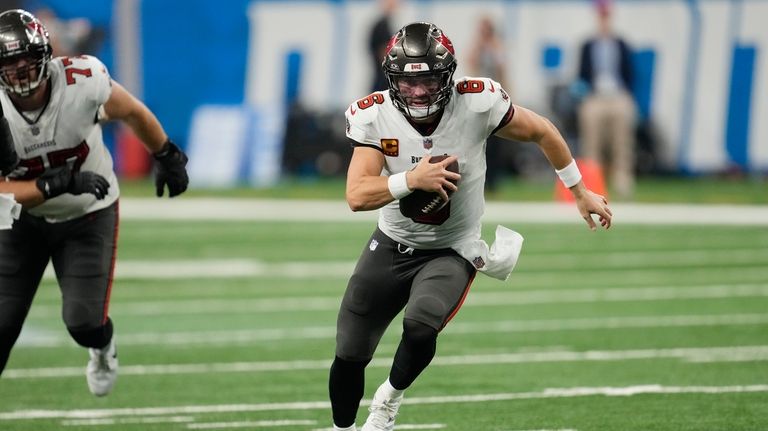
x=689 y=354
x=122 y=421
x=323 y=405
x=232 y=209
x=242 y=268
x=562 y=429
x=249 y=424
x=475 y=299
x=244 y=336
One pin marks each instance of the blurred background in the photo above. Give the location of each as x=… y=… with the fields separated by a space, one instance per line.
x=226 y=308
x=255 y=90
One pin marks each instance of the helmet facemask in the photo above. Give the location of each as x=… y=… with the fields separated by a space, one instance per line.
x=421 y=96
x=21 y=75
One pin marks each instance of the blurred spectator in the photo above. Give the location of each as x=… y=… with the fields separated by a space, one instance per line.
x=378 y=38
x=607 y=115
x=70 y=37
x=487 y=59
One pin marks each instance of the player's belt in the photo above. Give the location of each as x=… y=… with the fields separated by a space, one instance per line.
x=407 y=249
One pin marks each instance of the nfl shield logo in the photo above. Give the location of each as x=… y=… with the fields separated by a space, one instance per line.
x=427 y=143
x=478 y=262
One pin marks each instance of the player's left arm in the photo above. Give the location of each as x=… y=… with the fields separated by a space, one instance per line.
x=122 y=105
x=24 y=192
x=55 y=182
x=171 y=161
x=529 y=126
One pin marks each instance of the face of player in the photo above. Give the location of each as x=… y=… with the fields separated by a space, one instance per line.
x=419 y=91
x=20 y=74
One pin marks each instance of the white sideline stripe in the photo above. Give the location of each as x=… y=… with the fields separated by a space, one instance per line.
x=248 y=424
x=240 y=268
x=224 y=337
x=224 y=209
x=475 y=299
x=315 y=405
x=689 y=354
x=121 y=421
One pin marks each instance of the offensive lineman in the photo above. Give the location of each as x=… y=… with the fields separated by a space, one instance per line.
x=62 y=175
x=426 y=264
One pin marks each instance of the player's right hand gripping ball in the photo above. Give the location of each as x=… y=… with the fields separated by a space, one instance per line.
x=171 y=170
x=421 y=203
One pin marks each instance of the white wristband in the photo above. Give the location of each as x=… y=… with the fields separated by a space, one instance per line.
x=569 y=175
x=398 y=185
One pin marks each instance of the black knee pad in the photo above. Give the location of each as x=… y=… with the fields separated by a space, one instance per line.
x=415 y=352
x=347 y=365
x=418 y=334
x=97 y=337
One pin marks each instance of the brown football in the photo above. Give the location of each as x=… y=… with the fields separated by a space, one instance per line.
x=421 y=203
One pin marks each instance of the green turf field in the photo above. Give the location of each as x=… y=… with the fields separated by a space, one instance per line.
x=230 y=325
x=704 y=189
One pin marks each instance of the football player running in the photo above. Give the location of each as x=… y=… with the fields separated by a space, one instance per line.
x=59 y=169
x=426 y=264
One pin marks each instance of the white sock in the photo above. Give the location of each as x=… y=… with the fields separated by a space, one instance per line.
x=349 y=428
x=389 y=391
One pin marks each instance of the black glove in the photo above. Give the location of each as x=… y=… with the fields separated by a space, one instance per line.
x=62 y=180
x=171 y=169
x=8 y=157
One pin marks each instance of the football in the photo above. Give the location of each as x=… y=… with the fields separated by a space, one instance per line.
x=421 y=203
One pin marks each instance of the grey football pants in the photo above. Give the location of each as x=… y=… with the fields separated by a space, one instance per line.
x=83 y=254
x=430 y=284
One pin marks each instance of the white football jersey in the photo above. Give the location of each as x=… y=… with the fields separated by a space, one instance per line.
x=476 y=109
x=66 y=132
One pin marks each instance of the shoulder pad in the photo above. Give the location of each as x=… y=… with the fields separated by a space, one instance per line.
x=364 y=111
x=86 y=73
x=84 y=62
x=478 y=94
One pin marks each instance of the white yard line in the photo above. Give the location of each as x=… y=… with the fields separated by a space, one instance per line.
x=687 y=354
x=214 y=209
x=241 y=268
x=315 y=405
x=249 y=424
x=420 y=426
x=231 y=336
x=122 y=421
x=475 y=299
x=223 y=269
